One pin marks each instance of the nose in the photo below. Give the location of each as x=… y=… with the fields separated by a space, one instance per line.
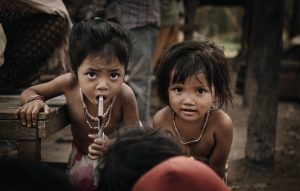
x=102 y=85
x=188 y=100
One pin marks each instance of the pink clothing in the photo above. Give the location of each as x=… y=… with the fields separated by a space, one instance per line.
x=82 y=170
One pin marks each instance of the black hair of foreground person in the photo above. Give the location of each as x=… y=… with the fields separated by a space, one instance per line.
x=20 y=175
x=134 y=152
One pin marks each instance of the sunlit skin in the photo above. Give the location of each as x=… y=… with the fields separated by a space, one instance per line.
x=97 y=76
x=191 y=101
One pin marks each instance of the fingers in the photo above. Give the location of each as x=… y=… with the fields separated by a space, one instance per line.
x=93 y=157
x=25 y=114
x=46 y=109
x=98 y=147
x=34 y=114
x=95 y=151
x=93 y=136
x=100 y=141
x=28 y=113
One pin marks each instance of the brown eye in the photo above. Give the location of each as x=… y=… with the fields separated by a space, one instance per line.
x=91 y=75
x=178 y=90
x=200 y=91
x=114 y=75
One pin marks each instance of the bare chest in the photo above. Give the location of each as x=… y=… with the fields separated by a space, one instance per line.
x=197 y=143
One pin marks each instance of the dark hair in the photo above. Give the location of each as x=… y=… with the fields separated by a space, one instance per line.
x=187 y=58
x=135 y=151
x=22 y=175
x=98 y=37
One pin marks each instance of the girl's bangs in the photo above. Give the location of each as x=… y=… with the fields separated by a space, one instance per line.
x=186 y=67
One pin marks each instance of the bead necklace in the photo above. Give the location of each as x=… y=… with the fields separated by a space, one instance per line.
x=95 y=118
x=201 y=133
x=87 y=115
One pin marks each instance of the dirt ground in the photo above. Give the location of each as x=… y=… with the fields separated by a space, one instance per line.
x=285 y=176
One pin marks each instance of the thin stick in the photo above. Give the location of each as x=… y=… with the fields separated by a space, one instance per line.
x=100 y=117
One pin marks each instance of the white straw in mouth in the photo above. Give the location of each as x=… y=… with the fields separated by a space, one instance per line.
x=100 y=116
x=100 y=106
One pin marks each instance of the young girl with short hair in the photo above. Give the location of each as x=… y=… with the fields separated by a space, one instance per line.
x=193 y=80
x=99 y=53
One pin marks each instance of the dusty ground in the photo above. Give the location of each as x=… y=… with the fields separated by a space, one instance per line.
x=241 y=176
x=285 y=176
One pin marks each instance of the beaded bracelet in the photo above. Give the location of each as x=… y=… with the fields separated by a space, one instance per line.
x=35 y=97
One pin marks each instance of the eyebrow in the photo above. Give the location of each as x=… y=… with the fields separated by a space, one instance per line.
x=96 y=69
x=113 y=70
x=91 y=69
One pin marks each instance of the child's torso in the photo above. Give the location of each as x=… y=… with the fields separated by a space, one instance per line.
x=80 y=128
x=200 y=150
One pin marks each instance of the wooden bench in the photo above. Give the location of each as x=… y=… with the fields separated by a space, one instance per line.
x=28 y=140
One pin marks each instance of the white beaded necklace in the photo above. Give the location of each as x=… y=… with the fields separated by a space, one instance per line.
x=87 y=114
x=201 y=133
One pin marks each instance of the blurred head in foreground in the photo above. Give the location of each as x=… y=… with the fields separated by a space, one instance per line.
x=135 y=151
x=180 y=173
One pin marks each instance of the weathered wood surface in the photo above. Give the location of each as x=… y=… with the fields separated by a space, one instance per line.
x=28 y=140
x=11 y=127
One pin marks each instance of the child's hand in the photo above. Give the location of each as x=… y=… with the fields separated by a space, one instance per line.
x=28 y=112
x=98 y=147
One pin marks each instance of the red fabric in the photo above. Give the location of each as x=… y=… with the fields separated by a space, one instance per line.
x=82 y=171
x=180 y=173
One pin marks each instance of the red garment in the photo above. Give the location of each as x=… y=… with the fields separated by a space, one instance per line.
x=82 y=171
x=180 y=173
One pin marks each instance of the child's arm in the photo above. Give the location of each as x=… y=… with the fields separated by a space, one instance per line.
x=223 y=141
x=129 y=107
x=163 y=119
x=33 y=99
x=159 y=118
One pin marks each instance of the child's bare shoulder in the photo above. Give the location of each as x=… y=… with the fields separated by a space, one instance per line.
x=126 y=91
x=221 y=120
x=161 y=116
x=67 y=82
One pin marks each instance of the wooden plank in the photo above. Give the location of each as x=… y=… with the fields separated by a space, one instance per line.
x=8 y=113
x=13 y=129
x=29 y=150
x=9 y=104
x=29 y=139
x=55 y=122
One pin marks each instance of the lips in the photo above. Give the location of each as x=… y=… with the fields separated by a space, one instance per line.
x=104 y=97
x=97 y=98
x=188 y=112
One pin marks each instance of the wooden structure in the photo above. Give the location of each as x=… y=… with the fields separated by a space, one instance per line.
x=28 y=140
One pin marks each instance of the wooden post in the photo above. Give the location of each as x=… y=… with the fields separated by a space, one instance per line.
x=264 y=57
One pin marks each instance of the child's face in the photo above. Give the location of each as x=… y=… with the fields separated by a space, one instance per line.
x=97 y=77
x=192 y=99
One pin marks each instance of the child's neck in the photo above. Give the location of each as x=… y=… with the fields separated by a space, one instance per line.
x=183 y=124
x=183 y=133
